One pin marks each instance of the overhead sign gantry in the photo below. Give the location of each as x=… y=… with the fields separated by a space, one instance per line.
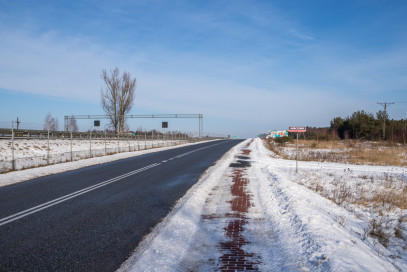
x=163 y=116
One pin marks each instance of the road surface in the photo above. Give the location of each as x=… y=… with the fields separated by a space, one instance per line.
x=93 y=218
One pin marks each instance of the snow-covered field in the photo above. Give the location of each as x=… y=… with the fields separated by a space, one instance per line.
x=296 y=221
x=34 y=152
x=27 y=174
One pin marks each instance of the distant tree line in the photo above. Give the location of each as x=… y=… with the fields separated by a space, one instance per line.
x=361 y=125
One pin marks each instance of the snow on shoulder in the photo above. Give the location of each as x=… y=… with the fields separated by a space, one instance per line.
x=32 y=173
x=284 y=226
x=303 y=225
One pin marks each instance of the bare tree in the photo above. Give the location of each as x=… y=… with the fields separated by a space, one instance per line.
x=118 y=97
x=72 y=124
x=50 y=123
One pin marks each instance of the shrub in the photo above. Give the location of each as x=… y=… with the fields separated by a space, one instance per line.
x=376 y=230
x=324 y=138
x=283 y=140
x=398 y=233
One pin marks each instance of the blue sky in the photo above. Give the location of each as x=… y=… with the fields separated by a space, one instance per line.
x=248 y=66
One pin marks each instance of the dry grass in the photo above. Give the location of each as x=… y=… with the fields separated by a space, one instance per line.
x=376 y=230
x=383 y=196
x=274 y=148
x=379 y=199
x=353 y=152
x=380 y=193
x=398 y=233
x=386 y=156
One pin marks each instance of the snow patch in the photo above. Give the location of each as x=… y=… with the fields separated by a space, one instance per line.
x=289 y=227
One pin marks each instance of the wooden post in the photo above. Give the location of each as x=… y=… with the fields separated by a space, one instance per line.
x=90 y=143
x=296 y=157
x=13 y=162
x=118 y=145
x=48 y=147
x=71 y=147
x=105 y=142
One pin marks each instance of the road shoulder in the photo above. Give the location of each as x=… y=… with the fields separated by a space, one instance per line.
x=28 y=174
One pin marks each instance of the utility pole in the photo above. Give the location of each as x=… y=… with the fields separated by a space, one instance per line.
x=384 y=104
x=18 y=123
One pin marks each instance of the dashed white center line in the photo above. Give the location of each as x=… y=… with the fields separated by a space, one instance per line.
x=11 y=218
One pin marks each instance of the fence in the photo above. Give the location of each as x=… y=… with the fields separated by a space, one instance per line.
x=73 y=146
x=89 y=148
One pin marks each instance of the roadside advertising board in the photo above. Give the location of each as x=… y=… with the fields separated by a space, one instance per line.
x=278 y=133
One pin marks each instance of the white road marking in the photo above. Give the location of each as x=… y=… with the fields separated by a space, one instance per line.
x=51 y=203
x=56 y=201
x=190 y=152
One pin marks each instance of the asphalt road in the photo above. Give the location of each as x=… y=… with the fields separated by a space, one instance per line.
x=93 y=218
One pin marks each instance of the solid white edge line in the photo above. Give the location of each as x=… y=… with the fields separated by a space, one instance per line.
x=53 y=202
x=87 y=188
x=56 y=201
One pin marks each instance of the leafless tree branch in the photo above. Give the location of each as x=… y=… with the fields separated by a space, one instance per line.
x=117 y=98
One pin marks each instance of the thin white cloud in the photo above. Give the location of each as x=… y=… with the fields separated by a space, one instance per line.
x=270 y=70
x=51 y=65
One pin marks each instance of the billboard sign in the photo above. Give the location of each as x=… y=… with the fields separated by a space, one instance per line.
x=278 y=133
x=297 y=129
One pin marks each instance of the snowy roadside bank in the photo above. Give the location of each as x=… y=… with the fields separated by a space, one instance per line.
x=311 y=229
x=23 y=175
x=26 y=148
x=288 y=226
x=31 y=153
x=180 y=242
